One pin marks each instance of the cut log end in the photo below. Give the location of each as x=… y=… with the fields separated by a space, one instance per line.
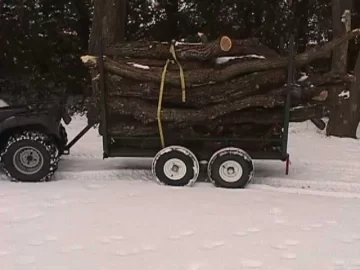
x=225 y=43
x=322 y=96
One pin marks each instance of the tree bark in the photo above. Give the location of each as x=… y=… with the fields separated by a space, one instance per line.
x=172 y=14
x=339 y=121
x=146 y=112
x=194 y=51
x=198 y=96
x=155 y=63
x=341 y=24
x=130 y=126
x=237 y=88
x=108 y=25
x=346 y=123
x=211 y=76
x=83 y=22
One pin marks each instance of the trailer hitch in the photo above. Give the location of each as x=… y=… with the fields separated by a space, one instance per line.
x=76 y=139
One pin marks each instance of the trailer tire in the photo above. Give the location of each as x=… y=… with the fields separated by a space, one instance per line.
x=175 y=166
x=30 y=156
x=230 y=168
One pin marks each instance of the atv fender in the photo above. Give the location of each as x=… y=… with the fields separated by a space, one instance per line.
x=44 y=123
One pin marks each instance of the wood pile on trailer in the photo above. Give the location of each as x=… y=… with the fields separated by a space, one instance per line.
x=222 y=88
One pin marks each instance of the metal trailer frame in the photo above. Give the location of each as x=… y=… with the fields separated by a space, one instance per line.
x=109 y=150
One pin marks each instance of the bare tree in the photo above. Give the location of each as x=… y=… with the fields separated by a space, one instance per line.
x=343 y=120
x=109 y=22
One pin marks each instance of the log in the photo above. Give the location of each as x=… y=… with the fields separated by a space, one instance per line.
x=211 y=76
x=198 y=96
x=241 y=98
x=130 y=126
x=146 y=112
x=319 y=123
x=329 y=78
x=134 y=104
x=189 y=51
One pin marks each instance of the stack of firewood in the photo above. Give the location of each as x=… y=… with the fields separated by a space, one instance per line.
x=233 y=88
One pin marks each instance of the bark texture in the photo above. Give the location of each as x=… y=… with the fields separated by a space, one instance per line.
x=237 y=97
x=187 y=51
x=108 y=26
x=342 y=123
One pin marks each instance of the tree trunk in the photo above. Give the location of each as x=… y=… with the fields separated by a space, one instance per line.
x=341 y=25
x=172 y=13
x=339 y=121
x=108 y=24
x=83 y=22
x=348 y=109
x=302 y=8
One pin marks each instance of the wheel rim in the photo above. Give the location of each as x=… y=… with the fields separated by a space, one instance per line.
x=230 y=171
x=28 y=160
x=175 y=169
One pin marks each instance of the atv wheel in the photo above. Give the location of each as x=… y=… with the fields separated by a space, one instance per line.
x=30 y=157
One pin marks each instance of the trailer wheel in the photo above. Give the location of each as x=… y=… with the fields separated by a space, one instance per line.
x=230 y=168
x=30 y=157
x=175 y=166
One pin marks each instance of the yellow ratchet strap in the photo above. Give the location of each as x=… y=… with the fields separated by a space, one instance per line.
x=182 y=76
x=161 y=92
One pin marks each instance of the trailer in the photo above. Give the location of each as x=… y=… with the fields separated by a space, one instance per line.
x=33 y=139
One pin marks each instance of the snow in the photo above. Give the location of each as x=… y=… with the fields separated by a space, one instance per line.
x=177 y=43
x=303 y=77
x=346 y=14
x=225 y=59
x=138 y=65
x=3 y=104
x=110 y=214
x=345 y=94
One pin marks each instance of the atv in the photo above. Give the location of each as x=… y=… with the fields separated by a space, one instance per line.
x=32 y=139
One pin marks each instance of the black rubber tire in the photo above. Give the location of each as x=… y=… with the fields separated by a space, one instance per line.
x=181 y=153
x=45 y=146
x=235 y=155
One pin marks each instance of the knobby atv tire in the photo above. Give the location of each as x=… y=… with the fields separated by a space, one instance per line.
x=45 y=146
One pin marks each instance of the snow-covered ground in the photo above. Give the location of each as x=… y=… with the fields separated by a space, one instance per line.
x=110 y=214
